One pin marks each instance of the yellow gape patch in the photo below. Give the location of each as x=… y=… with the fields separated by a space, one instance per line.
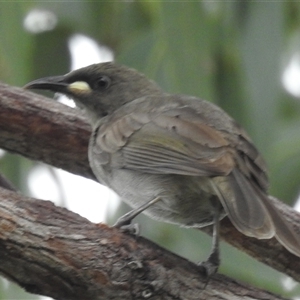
x=79 y=87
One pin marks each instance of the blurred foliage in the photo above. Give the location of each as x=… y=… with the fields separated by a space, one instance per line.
x=232 y=53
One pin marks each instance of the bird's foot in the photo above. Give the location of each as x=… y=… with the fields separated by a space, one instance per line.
x=124 y=223
x=210 y=266
x=133 y=229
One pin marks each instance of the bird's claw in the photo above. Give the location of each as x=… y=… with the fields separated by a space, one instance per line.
x=208 y=268
x=133 y=229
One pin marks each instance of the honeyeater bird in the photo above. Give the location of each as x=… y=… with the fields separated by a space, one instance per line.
x=177 y=158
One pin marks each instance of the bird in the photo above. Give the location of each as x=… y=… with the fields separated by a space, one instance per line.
x=176 y=158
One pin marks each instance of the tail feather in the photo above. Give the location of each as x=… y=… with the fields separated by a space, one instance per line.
x=285 y=234
x=253 y=213
x=245 y=208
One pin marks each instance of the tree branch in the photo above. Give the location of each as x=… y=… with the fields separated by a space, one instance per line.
x=51 y=251
x=41 y=129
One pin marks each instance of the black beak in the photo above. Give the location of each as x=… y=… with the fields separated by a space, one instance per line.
x=54 y=84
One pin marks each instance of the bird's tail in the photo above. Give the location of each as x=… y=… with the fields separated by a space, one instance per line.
x=285 y=233
x=254 y=214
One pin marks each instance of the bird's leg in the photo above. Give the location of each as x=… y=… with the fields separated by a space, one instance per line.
x=124 y=221
x=211 y=265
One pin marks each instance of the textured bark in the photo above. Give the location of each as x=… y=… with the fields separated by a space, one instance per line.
x=44 y=130
x=51 y=251
x=40 y=129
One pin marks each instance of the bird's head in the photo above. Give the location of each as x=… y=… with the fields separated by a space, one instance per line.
x=99 y=89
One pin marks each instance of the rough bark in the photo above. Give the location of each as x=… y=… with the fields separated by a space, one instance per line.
x=40 y=129
x=51 y=251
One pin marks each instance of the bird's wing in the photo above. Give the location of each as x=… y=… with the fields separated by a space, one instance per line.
x=176 y=141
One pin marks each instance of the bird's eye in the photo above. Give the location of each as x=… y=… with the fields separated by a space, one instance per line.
x=102 y=83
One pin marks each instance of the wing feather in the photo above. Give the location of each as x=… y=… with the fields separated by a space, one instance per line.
x=166 y=143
